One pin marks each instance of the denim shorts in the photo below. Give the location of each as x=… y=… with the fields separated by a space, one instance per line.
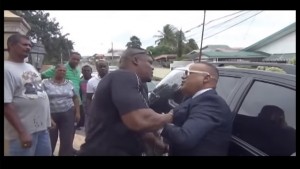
x=41 y=145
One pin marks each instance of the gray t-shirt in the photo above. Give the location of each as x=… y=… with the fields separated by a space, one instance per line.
x=22 y=88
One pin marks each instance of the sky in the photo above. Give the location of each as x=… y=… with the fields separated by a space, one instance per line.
x=97 y=31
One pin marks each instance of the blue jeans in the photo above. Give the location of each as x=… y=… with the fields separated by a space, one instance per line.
x=41 y=145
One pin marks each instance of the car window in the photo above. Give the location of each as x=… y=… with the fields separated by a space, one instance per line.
x=226 y=86
x=267 y=119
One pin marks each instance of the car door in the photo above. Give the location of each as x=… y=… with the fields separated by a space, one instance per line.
x=265 y=124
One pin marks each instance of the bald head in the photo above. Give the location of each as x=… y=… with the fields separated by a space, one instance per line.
x=199 y=76
x=211 y=69
x=138 y=61
x=128 y=56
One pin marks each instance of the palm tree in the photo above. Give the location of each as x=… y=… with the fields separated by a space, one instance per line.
x=134 y=42
x=167 y=36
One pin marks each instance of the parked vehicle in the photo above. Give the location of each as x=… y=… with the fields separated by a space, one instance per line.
x=250 y=94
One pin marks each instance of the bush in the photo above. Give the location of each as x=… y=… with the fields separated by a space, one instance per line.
x=293 y=61
x=271 y=69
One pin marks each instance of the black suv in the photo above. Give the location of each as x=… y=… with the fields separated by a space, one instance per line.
x=264 y=104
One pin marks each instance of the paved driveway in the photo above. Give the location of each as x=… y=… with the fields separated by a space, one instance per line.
x=78 y=140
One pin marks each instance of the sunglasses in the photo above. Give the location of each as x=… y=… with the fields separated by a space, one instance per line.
x=189 y=72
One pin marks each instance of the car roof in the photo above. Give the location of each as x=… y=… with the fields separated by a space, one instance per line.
x=250 y=72
x=287 y=68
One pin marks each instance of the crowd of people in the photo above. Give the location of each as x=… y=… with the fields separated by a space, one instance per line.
x=113 y=107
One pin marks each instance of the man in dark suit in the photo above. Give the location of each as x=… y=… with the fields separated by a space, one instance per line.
x=202 y=123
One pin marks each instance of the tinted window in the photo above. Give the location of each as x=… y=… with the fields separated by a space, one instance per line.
x=267 y=119
x=226 y=85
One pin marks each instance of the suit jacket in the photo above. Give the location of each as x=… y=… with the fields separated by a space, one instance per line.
x=202 y=127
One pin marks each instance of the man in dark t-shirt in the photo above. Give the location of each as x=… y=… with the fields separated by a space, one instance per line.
x=120 y=117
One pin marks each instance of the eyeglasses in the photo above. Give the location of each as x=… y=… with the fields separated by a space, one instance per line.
x=189 y=72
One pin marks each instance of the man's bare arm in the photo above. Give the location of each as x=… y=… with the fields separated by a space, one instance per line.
x=146 y=120
x=12 y=117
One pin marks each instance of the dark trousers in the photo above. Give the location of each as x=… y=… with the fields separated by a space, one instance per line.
x=65 y=128
x=82 y=114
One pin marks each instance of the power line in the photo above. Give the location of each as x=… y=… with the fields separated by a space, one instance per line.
x=217 y=25
x=248 y=28
x=234 y=25
x=212 y=21
x=222 y=23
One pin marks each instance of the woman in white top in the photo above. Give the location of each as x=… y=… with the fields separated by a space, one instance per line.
x=64 y=107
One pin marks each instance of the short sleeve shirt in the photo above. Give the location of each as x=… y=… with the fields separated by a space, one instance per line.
x=92 y=84
x=117 y=93
x=22 y=88
x=60 y=95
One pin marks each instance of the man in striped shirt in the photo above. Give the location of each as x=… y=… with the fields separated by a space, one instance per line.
x=72 y=73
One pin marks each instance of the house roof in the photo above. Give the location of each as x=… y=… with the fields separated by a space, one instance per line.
x=165 y=56
x=283 y=32
x=208 y=48
x=215 y=47
x=280 y=57
x=237 y=54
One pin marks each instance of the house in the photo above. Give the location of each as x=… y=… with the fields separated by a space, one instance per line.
x=114 y=56
x=164 y=60
x=281 y=46
x=225 y=53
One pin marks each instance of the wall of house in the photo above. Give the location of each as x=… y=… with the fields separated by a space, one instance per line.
x=286 y=44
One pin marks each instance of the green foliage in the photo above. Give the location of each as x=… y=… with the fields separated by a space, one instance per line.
x=192 y=44
x=271 y=69
x=184 y=57
x=172 y=41
x=167 y=37
x=48 y=32
x=162 y=49
x=134 y=42
x=293 y=61
x=180 y=43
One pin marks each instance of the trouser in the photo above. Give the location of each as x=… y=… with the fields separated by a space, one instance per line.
x=40 y=146
x=65 y=128
x=81 y=121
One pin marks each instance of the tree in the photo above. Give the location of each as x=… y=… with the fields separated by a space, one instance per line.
x=48 y=32
x=134 y=42
x=167 y=37
x=192 y=44
x=293 y=60
x=179 y=34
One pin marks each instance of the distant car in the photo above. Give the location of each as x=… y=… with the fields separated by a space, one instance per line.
x=250 y=94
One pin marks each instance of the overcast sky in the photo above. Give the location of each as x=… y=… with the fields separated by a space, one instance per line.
x=95 y=31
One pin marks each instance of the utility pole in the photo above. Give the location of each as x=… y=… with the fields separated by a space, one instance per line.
x=200 y=53
x=179 y=45
x=112 y=51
